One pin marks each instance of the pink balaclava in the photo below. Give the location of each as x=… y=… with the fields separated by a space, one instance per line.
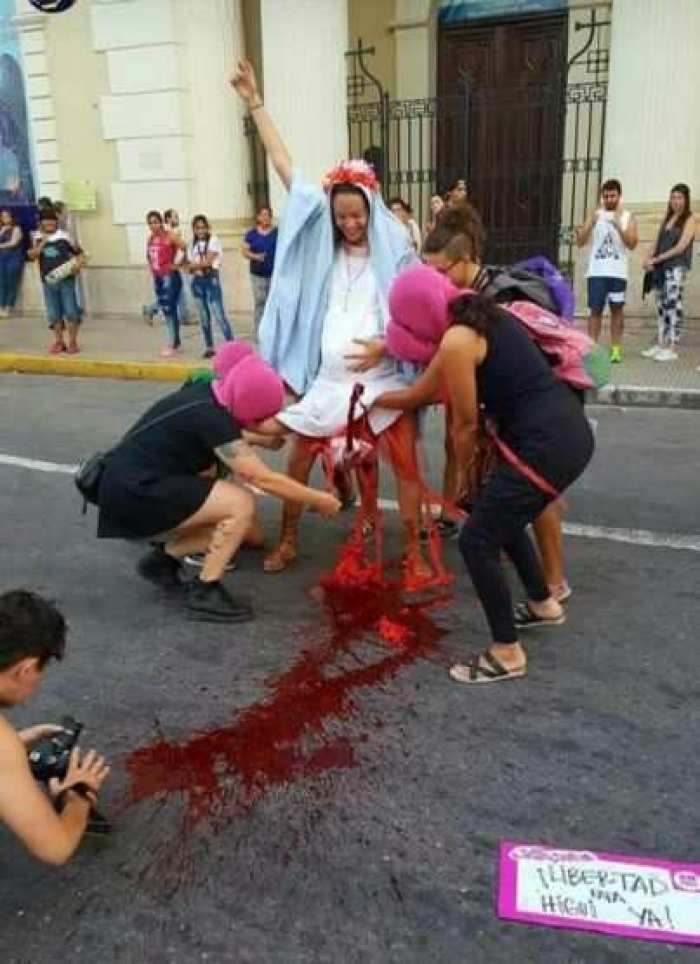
x=251 y=391
x=419 y=313
x=229 y=355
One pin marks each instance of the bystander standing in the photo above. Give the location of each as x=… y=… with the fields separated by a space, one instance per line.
x=669 y=262
x=404 y=213
x=259 y=246
x=60 y=260
x=11 y=262
x=204 y=257
x=613 y=232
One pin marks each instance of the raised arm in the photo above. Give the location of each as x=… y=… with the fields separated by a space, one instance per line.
x=246 y=86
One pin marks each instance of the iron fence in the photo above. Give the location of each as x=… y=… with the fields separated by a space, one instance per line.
x=421 y=147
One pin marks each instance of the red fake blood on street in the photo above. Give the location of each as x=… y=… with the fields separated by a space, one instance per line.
x=296 y=733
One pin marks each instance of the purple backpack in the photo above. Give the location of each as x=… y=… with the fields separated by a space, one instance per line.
x=559 y=288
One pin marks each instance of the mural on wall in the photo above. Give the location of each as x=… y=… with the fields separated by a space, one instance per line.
x=456 y=11
x=16 y=175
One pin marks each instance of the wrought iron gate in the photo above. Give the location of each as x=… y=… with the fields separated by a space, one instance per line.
x=421 y=147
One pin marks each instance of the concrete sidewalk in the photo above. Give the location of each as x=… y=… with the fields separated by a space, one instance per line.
x=128 y=347
x=125 y=346
x=643 y=381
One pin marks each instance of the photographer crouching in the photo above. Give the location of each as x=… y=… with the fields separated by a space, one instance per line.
x=50 y=824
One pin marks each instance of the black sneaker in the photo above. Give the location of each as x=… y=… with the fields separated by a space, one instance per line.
x=208 y=353
x=210 y=602
x=160 y=569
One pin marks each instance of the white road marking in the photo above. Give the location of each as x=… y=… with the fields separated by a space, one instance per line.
x=632 y=537
x=38 y=465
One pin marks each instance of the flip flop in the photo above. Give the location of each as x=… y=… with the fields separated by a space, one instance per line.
x=525 y=618
x=494 y=672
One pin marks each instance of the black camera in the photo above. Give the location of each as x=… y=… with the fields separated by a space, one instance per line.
x=50 y=757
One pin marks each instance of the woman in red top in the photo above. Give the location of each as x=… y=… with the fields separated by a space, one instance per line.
x=161 y=248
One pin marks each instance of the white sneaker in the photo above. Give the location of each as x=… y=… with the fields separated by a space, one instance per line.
x=666 y=355
x=652 y=351
x=196 y=560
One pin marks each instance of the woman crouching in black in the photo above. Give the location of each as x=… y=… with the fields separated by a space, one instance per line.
x=160 y=483
x=484 y=362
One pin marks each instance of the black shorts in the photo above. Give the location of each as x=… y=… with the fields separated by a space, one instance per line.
x=132 y=508
x=605 y=290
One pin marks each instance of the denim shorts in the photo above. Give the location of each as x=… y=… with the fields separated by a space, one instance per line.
x=602 y=290
x=62 y=301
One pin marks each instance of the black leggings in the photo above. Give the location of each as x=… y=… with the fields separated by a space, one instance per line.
x=506 y=506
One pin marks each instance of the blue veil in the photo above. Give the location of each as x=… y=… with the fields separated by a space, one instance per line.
x=291 y=327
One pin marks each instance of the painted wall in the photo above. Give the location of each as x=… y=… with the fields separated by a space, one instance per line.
x=372 y=21
x=82 y=153
x=16 y=155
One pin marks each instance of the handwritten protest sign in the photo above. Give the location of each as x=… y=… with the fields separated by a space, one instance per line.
x=655 y=900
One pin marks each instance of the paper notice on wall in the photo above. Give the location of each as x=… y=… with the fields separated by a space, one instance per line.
x=80 y=195
x=640 y=897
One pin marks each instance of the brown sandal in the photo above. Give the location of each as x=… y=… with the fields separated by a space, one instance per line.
x=280 y=558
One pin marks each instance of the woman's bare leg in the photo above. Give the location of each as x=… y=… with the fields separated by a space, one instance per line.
x=226 y=517
x=186 y=542
x=550 y=542
x=255 y=536
x=301 y=460
x=402 y=440
x=219 y=527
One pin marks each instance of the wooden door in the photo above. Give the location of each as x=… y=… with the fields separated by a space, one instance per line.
x=511 y=76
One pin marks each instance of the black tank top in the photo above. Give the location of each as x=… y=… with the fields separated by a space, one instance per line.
x=515 y=378
x=539 y=416
x=668 y=237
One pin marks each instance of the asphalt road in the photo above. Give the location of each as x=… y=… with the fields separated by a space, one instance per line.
x=336 y=798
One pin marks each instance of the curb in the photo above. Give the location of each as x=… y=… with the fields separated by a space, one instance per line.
x=622 y=396
x=86 y=368
x=643 y=396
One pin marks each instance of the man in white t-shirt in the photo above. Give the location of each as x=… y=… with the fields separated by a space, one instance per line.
x=613 y=232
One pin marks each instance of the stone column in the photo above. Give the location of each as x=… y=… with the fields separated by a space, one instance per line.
x=304 y=45
x=651 y=134
x=651 y=137
x=211 y=39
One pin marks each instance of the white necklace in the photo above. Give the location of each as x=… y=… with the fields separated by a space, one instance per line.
x=350 y=278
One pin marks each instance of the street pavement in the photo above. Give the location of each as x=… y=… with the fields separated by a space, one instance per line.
x=340 y=799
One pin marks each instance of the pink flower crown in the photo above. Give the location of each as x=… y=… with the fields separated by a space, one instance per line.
x=355 y=172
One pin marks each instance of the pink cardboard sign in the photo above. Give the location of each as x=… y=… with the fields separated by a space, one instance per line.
x=653 y=900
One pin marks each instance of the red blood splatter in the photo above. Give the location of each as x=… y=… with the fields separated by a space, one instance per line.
x=393 y=633
x=284 y=738
x=292 y=734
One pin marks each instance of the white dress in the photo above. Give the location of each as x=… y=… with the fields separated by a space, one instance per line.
x=354 y=311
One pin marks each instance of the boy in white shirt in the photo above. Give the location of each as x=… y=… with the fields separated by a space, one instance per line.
x=614 y=233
